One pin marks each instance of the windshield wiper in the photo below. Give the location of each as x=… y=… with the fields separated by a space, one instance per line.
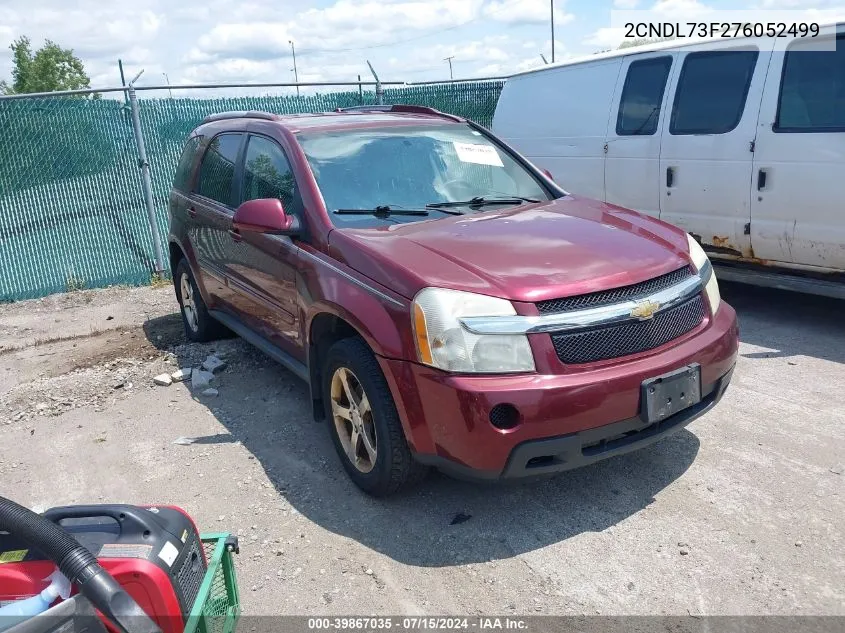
x=383 y=210
x=480 y=201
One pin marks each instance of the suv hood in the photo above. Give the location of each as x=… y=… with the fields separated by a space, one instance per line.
x=530 y=252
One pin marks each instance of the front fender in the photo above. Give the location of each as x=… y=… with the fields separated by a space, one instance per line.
x=378 y=316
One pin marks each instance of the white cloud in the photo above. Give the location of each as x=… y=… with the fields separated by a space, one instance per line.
x=625 y=4
x=526 y=12
x=606 y=37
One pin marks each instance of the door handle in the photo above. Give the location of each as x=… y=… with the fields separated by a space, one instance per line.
x=762 y=177
x=235 y=235
x=192 y=212
x=670 y=176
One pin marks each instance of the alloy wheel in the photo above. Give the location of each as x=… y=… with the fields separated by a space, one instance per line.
x=189 y=306
x=353 y=420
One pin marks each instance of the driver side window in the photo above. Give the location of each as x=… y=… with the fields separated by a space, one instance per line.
x=267 y=173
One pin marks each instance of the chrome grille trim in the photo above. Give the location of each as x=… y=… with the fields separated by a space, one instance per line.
x=591 y=317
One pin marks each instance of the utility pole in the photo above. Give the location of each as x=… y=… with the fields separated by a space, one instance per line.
x=295 y=73
x=552 y=3
x=167 y=79
x=449 y=59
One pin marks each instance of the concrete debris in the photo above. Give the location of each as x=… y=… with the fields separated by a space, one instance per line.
x=211 y=391
x=213 y=364
x=201 y=379
x=163 y=380
x=181 y=374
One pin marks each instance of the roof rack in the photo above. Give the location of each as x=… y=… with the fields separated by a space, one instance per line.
x=401 y=107
x=240 y=114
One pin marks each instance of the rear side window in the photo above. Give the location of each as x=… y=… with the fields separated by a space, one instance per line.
x=711 y=92
x=642 y=94
x=812 y=90
x=186 y=164
x=218 y=168
x=267 y=173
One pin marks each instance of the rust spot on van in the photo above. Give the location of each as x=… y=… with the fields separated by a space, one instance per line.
x=723 y=246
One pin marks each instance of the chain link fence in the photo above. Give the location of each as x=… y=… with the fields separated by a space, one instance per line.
x=72 y=211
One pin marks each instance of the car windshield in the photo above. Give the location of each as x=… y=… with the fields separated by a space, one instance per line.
x=402 y=168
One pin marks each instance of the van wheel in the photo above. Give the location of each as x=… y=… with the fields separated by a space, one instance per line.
x=365 y=426
x=199 y=324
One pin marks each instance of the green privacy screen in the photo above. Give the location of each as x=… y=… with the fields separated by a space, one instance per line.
x=71 y=210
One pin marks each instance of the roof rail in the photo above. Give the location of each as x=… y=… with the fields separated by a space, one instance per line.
x=240 y=114
x=401 y=107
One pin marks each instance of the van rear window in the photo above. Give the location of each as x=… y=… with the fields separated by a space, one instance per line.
x=711 y=92
x=642 y=95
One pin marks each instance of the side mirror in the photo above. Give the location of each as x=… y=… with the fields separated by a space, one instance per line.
x=548 y=175
x=264 y=215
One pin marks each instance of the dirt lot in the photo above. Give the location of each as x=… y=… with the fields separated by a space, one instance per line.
x=741 y=514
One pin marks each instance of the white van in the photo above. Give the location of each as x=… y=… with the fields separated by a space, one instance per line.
x=738 y=141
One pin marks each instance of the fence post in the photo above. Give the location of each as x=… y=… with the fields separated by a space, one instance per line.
x=146 y=182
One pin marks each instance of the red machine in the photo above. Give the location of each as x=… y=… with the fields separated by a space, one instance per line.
x=154 y=553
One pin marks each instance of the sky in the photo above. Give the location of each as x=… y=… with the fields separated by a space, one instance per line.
x=248 y=41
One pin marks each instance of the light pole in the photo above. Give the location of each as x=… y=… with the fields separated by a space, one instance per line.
x=167 y=79
x=449 y=59
x=295 y=73
x=552 y=4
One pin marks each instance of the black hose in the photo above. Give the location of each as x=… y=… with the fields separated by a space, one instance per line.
x=72 y=559
x=78 y=565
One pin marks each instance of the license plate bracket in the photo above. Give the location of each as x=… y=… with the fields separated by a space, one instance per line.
x=666 y=395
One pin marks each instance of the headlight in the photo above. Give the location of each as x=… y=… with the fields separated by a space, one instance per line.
x=443 y=343
x=702 y=263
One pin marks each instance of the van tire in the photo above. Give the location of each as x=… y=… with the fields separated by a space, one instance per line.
x=200 y=326
x=394 y=468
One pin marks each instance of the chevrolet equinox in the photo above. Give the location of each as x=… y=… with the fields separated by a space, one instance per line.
x=448 y=303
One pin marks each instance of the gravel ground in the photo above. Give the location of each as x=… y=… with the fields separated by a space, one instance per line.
x=740 y=514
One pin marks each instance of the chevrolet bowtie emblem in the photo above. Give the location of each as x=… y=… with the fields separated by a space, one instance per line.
x=645 y=310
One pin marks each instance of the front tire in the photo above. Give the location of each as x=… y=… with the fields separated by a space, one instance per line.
x=200 y=326
x=365 y=426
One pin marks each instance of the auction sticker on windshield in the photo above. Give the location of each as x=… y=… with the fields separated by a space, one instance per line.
x=478 y=154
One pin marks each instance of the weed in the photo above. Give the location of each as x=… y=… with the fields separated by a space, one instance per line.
x=159 y=280
x=74 y=283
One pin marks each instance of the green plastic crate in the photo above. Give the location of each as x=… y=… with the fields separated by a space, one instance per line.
x=218 y=606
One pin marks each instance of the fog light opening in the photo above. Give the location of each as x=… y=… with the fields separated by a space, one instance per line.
x=504 y=416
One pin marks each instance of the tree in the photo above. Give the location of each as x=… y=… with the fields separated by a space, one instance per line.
x=50 y=68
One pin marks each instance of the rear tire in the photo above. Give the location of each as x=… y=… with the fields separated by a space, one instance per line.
x=365 y=426
x=200 y=326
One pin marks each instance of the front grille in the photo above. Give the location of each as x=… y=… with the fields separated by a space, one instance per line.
x=615 y=295
x=631 y=337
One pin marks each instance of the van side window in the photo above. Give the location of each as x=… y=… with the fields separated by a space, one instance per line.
x=642 y=94
x=711 y=92
x=186 y=163
x=812 y=89
x=217 y=172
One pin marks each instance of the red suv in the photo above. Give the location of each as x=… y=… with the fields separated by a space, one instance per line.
x=447 y=302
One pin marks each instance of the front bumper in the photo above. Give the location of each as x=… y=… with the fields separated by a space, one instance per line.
x=567 y=420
